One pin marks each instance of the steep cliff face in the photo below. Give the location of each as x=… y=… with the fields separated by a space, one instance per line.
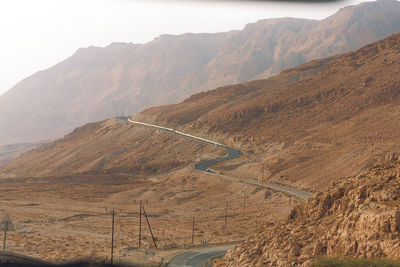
x=95 y=82
x=355 y=216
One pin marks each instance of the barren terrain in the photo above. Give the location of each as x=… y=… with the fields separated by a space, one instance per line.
x=308 y=126
x=68 y=217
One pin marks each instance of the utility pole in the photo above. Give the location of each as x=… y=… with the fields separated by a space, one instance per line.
x=262 y=179
x=112 y=238
x=244 y=201
x=226 y=213
x=5 y=235
x=148 y=223
x=193 y=231
x=140 y=223
x=7 y=225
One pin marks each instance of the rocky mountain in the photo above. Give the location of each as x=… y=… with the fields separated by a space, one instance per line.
x=322 y=120
x=307 y=126
x=96 y=82
x=354 y=217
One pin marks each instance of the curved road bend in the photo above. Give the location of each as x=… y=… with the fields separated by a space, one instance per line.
x=232 y=153
x=199 y=257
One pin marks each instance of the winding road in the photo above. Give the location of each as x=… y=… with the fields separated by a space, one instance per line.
x=200 y=257
x=232 y=154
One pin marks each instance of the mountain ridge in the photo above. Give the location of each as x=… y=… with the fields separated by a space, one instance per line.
x=307 y=126
x=95 y=83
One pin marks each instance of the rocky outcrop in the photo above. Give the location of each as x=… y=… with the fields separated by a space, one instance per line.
x=355 y=216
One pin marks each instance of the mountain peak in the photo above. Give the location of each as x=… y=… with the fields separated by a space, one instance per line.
x=92 y=83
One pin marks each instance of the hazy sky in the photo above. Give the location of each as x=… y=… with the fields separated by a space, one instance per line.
x=36 y=34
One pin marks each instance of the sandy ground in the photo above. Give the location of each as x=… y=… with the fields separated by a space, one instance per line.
x=68 y=218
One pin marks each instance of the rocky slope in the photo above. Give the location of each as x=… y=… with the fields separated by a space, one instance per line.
x=325 y=119
x=309 y=125
x=94 y=82
x=355 y=216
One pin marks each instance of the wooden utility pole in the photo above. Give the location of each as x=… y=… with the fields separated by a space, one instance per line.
x=112 y=238
x=193 y=231
x=140 y=223
x=262 y=179
x=5 y=235
x=7 y=226
x=244 y=202
x=148 y=223
x=226 y=213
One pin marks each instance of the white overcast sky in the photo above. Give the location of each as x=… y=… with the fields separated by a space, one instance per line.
x=37 y=34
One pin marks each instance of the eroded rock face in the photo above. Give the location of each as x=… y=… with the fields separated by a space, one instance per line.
x=357 y=216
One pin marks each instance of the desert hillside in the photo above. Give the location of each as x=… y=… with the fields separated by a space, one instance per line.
x=354 y=217
x=95 y=82
x=325 y=119
x=110 y=147
x=308 y=126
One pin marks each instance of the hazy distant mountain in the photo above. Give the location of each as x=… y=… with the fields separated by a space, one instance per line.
x=94 y=82
x=9 y=152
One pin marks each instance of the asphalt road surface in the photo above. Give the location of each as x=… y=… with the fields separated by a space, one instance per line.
x=232 y=153
x=197 y=258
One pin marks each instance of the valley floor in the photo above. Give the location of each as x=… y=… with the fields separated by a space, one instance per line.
x=68 y=218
